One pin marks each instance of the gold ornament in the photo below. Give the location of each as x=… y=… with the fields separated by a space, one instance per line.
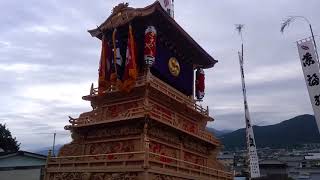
x=174 y=66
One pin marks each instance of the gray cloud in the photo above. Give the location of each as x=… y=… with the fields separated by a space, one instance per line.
x=48 y=60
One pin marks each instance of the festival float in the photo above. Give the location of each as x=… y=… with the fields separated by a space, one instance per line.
x=145 y=121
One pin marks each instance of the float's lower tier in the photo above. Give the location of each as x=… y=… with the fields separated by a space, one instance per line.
x=141 y=149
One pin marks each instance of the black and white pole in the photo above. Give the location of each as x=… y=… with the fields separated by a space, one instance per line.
x=172 y=9
x=253 y=160
x=168 y=6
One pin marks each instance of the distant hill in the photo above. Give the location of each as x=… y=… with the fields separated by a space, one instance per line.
x=218 y=133
x=44 y=151
x=293 y=132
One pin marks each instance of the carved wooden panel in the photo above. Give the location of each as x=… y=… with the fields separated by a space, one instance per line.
x=173 y=118
x=92 y=176
x=112 y=147
x=76 y=136
x=194 y=159
x=114 y=131
x=194 y=145
x=165 y=177
x=164 y=150
x=188 y=125
x=165 y=134
x=124 y=110
x=119 y=110
x=72 y=149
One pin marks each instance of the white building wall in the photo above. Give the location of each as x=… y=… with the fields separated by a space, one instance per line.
x=23 y=174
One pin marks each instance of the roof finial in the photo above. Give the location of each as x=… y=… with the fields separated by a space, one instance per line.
x=119 y=8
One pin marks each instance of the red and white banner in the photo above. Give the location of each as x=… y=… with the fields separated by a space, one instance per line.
x=310 y=67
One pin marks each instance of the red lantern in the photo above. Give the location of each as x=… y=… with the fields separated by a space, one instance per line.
x=150 y=41
x=200 y=84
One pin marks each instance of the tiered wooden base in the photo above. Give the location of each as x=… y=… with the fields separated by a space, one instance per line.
x=147 y=134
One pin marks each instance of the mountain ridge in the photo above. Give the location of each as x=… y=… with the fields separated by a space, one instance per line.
x=217 y=132
x=289 y=133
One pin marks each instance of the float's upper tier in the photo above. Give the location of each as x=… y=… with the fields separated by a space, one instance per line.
x=167 y=28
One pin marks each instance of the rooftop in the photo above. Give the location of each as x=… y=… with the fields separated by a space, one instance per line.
x=167 y=29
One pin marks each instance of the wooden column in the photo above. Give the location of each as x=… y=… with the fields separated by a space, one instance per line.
x=180 y=153
x=146 y=150
x=46 y=166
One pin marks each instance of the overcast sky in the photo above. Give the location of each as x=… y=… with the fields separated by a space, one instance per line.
x=48 y=60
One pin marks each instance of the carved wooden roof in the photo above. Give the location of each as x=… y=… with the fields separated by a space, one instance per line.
x=167 y=26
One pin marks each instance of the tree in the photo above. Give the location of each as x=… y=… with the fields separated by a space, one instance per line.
x=7 y=142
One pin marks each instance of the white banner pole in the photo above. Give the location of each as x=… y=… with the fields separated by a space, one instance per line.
x=310 y=68
x=168 y=6
x=251 y=144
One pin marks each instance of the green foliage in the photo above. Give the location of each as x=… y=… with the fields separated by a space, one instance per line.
x=7 y=142
x=288 y=134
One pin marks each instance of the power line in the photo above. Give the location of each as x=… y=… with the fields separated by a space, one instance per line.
x=40 y=133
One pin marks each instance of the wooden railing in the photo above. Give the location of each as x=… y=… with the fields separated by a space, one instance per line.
x=187 y=167
x=134 y=161
x=100 y=161
x=180 y=122
x=162 y=87
x=100 y=116
x=114 y=88
x=208 y=135
x=91 y=118
x=175 y=94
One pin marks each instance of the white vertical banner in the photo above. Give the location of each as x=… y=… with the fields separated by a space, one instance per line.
x=251 y=144
x=310 y=68
x=167 y=5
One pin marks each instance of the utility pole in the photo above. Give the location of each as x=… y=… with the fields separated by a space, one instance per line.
x=54 y=143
